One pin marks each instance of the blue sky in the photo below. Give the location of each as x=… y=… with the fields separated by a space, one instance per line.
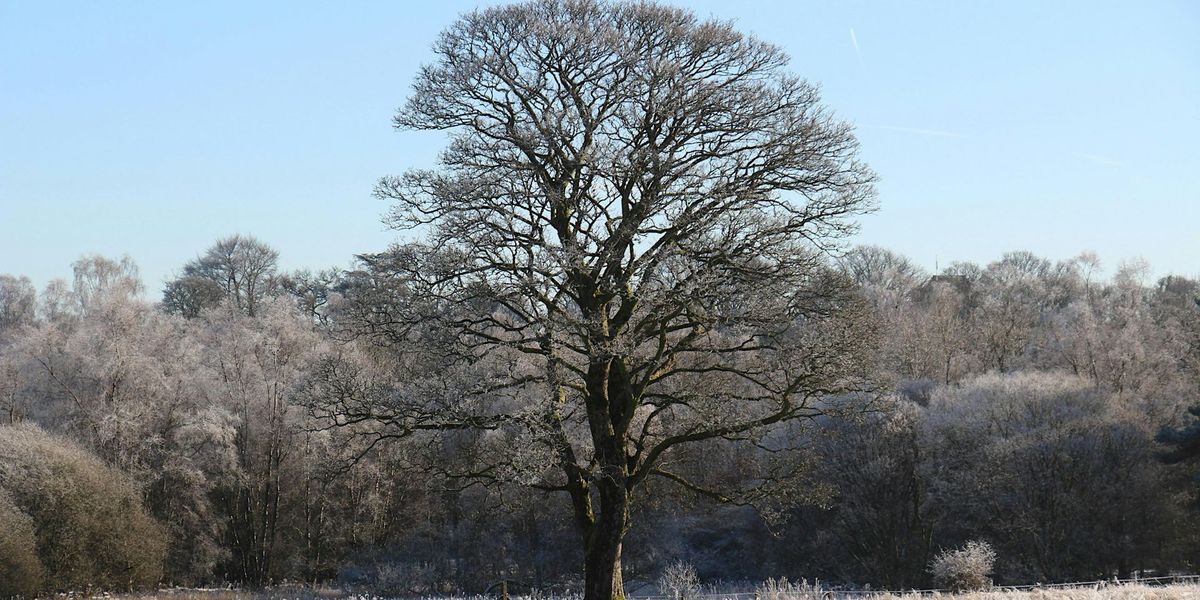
x=153 y=128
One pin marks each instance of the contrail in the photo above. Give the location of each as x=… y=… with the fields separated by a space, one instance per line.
x=854 y=42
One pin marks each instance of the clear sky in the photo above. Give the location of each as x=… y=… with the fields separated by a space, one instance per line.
x=153 y=128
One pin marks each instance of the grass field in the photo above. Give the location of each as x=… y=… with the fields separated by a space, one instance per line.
x=1190 y=591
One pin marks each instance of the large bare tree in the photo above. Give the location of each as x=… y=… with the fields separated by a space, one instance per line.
x=627 y=242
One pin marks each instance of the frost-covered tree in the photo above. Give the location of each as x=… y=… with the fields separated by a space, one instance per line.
x=127 y=382
x=98 y=278
x=1058 y=474
x=626 y=239
x=90 y=527
x=241 y=267
x=1010 y=301
x=18 y=300
x=255 y=364
x=885 y=276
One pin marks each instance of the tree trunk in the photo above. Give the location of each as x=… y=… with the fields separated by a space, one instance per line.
x=602 y=545
x=602 y=572
x=609 y=408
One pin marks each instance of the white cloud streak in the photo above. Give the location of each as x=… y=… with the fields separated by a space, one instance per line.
x=857 y=52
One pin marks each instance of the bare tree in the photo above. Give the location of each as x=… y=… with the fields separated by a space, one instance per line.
x=242 y=267
x=98 y=277
x=880 y=518
x=884 y=275
x=311 y=289
x=255 y=362
x=635 y=203
x=17 y=302
x=1058 y=473
x=1012 y=298
x=191 y=295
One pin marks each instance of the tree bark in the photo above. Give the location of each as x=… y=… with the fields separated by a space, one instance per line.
x=608 y=399
x=602 y=545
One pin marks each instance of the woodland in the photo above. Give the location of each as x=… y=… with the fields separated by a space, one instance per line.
x=1026 y=402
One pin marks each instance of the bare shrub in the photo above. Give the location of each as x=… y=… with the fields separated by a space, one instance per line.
x=679 y=581
x=20 y=569
x=965 y=569
x=782 y=589
x=92 y=531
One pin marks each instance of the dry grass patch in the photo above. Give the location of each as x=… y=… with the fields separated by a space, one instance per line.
x=1115 y=592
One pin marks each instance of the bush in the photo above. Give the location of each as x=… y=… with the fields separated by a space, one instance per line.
x=679 y=581
x=966 y=569
x=91 y=530
x=20 y=569
x=782 y=589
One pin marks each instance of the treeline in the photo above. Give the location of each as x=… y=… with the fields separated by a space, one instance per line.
x=1030 y=394
x=1016 y=403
